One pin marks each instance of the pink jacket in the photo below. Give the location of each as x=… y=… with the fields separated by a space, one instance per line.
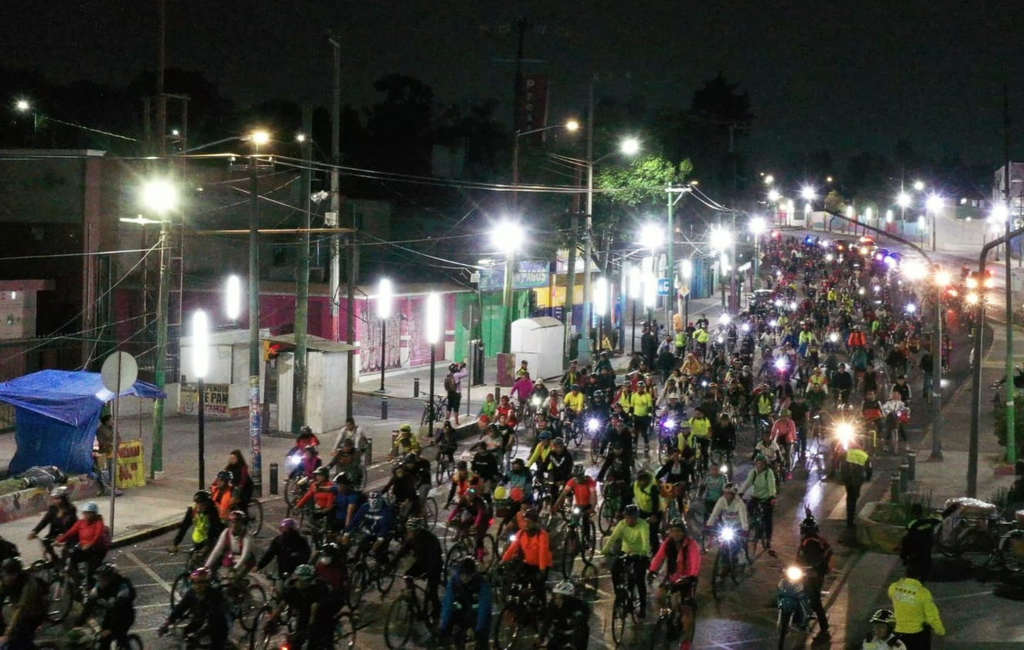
x=686 y=563
x=784 y=430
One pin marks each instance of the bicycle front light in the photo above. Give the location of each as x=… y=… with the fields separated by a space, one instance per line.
x=512 y=538
x=593 y=424
x=794 y=574
x=575 y=511
x=727 y=534
x=670 y=424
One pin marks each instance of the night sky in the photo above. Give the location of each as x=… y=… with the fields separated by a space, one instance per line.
x=845 y=76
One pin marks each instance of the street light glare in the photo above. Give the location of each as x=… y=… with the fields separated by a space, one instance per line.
x=22 y=105
x=757 y=225
x=769 y=179
x=687 y=268
x=933 y=203
x=807 y=193
x=300 y=137
x=651 y=236
x=508 y=236
x=385 y=295
x=159 y=195
x=259 y=137
x=903 y=200
x=943 y=278
x=719 y=239
x=572 y=126
x=200 y=344
x=773 y=195
x=999 y=212
x=629 y=146
x=918 y=186
x=601 y=296
x=233 y=297
x=433 y=317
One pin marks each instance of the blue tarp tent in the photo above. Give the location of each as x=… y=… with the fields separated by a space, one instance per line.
x=57 y=413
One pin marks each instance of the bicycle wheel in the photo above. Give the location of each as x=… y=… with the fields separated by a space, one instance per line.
x=661 y=635
x=782 y=627
x=179 y=588
x=253 y=601
x=457 y=551
x=570 y=548
x=507 y=633
x=134 y=643
x=606 y=515
x=345 y=631
x=718 y=575
x=589 y=579
x=358 y=583
x=384 y=577
x=399 y=622
x=595 y=450
x=61 y=596
x=621 y=612
x=261 y=637
x=255 y=513
x=577 y=437
x=513 y=446
x=292 y=492
x=430 y=511
x=588 y=537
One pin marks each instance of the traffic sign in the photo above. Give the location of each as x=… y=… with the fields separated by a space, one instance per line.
x=662 y=286
x=119 y=372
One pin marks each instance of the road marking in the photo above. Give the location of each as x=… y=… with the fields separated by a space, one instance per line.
x=839 y=512
x=152 y=574
x=959 y=596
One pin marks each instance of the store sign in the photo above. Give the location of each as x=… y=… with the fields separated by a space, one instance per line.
x=530 y=274
x=131 y=471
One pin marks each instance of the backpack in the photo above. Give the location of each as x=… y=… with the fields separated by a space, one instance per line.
x=449 y=383
x=815 y=552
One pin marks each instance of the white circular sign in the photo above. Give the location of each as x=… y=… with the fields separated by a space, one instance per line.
x=119 y=372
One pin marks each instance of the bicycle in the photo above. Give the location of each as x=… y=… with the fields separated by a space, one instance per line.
x=254 y=512
x=266 y=636
x=462 y=543
x=580 y=539
x=627 y=596
x=677 y=617
x=611 y=506
x=66 y=587
x=758 y=533
x=440 y=408
x=444 y=467
x=521 y=612
x=726 y=566
x=403 y=614
x=182 y=583
x=87 y=637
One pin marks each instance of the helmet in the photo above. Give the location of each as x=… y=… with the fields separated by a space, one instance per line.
x=237 y=515
x=679 y=523
x=106 y=570
x=500 y=493
x=306 y=430
x=201 y=496
x=202 y=574
x=575 y=387
x=304 y=572
x=330 y=549
x=405 y=428
x=809 y=525
x=410 y=458
x=532 y=514
x=544 y=435
x=374 y=503
x=730 y=487
x=598 y=395
x=579 y=470
x=224 y=475
x=559 y=440
x=467 y=565
x=59 y=491
x=344 y=479
x=11 y=566
x=288 y=524
x=632 y=510
x=91 y=507
x=883 y=616
x=563 y=588
x=321 y=471
x=415 y=523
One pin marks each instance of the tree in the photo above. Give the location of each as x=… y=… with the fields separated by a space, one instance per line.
x=642 y=183
x=400 y=125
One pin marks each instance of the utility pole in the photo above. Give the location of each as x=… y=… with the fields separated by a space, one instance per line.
x=157 y=462
x=332 y=216
x=588 y=244
x=1011 y=433
x=302 y=284
x=570 y=282
x=350 y=317
x=255 y=413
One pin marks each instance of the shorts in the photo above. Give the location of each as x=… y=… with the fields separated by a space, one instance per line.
x=454 y=400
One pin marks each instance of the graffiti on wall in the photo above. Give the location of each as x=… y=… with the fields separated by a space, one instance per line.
x=370 y=342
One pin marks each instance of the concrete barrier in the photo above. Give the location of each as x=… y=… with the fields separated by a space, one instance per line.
x=875 y=535
x=35 y=500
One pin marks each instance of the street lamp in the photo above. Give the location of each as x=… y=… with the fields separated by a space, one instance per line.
x=200 y=368
x=432 y=328
x=757 y=226
x=507 y=237
x=720 y=240
x=159 y=196
x=807 y=193
x=687 y=269
x=233 y=298
x=259 y=137
x=768 y=179
x=22 y=105
x=651 y=237
x=933 y=204
x=385 y=295
x=571 y=125
x=918 y=186
x=630 y=146
x=773 y=195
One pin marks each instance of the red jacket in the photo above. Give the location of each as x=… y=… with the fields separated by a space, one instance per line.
x=685 y=564
x=88 y=534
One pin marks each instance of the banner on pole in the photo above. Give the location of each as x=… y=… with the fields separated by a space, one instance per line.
x=131 y=471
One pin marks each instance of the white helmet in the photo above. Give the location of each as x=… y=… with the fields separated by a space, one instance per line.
x=564 y=588
x=59 y=491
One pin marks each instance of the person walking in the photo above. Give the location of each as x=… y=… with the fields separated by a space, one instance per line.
x=916 y=614
x=855 y=471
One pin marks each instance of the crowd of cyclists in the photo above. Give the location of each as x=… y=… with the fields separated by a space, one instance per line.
x=640 y=466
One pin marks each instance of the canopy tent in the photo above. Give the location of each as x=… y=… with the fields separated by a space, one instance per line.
x=57 y=413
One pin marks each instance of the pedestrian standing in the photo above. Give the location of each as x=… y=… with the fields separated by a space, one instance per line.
x=916 y=614
x=927 y=368
x=855 y=470
x=102 y=452
x=916 y=546
x=453 y=386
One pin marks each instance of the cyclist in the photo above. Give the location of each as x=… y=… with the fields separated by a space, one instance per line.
x=241 y=483
x=206 y=607
x=559 y=467
x=307 y=465
x=633 y=537
x=461 y=481
x=405 y=442
x=60 y=515
x=404 y=484
x=489 y=408
x=473 y=516
x=642 y=404
x=723 y=435
x=92 y=537
x=206 y=524
x=353 y=433
x=583 y=489
x=222 y=494
x=323 y=493
x=539 y=455
x=681 y=554
x=761 y=480
x=784 y=434
x=520 y=477
x=769 y=449
x=429 y=559
x=312 y=604
x=619 y=434
x=731 y=510
x=447 y=443
x=814 y=555
x=484 y=464
x=305 y=439
x=572 y=376
x=700 y=431
x=883 y=637
x=376 y=520
x=115 y=596
x=533 y=545
x=289 y=548
x=646 y=493
x=566 y=621
x=28 y=595
x=346 y=503
x=574 y=401
x=467 y=604
x=347 y=460
x=677 y=473
x=233 y=549
x=714 y=487
x=329 y=561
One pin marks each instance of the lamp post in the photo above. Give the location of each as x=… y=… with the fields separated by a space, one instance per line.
x=687 y=268
x=257 y=138
x=903 y=200
x=200 y=367
x=600 y=306
x=433 y=328
x=385 y=295
x=507 y=236
x=942 y=280
x=933 y=204
x=650 y=291
x=636 y=283
x=652 y=238
x=570 y=125
x=233 y=298
x=159 y=196
x=757 y=227
x=720 y=240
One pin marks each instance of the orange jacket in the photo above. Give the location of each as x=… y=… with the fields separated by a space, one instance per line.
x=222 y=499
x=88 y=534
x=535 y=549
